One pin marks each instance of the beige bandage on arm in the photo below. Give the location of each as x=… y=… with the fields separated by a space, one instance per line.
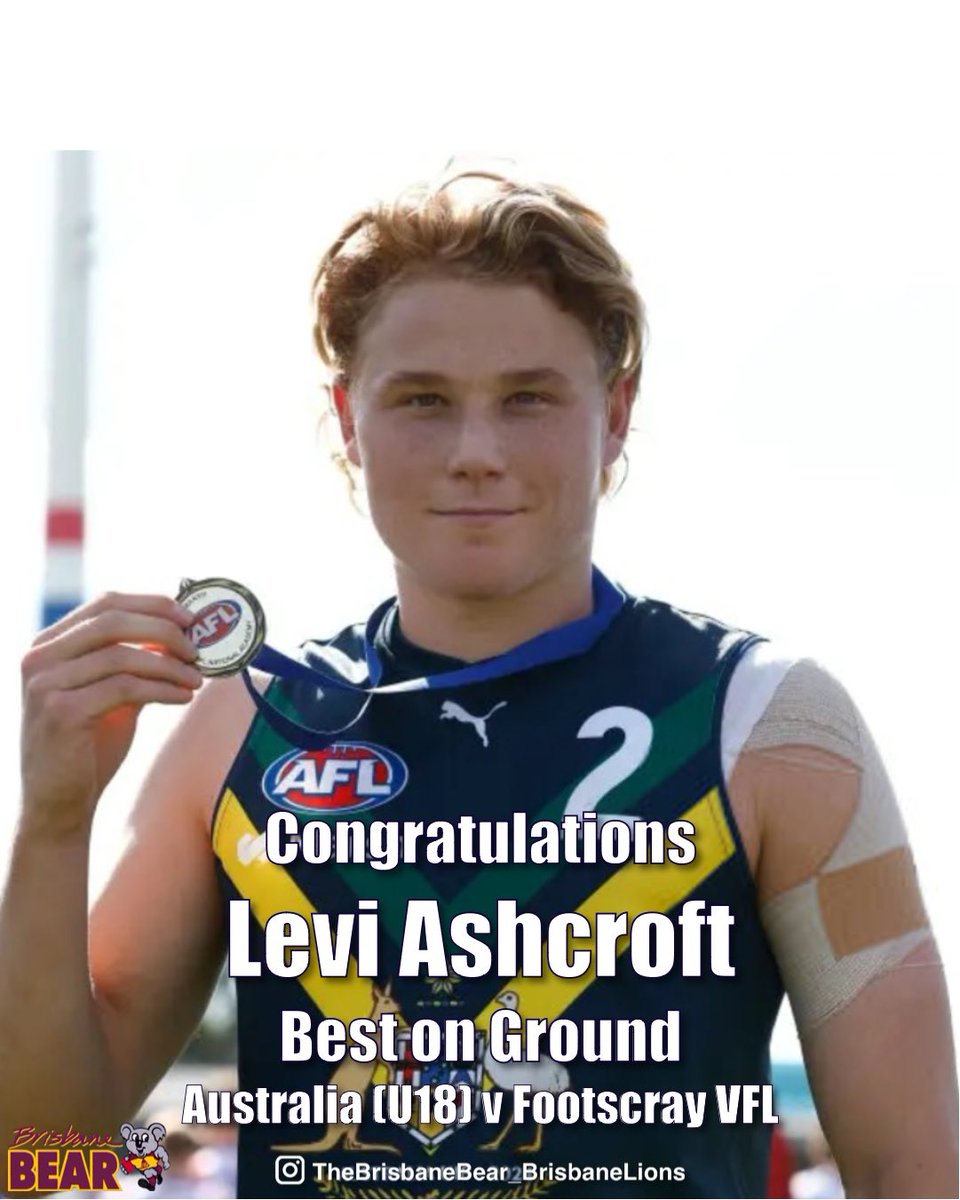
x=860 y=912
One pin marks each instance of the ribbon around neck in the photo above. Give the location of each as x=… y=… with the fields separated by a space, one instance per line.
x=563 y=641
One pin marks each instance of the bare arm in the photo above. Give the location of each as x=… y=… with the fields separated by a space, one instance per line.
x=89 y=1022
x=156 y=934
x=53 y=1057
x=91 y=1014
x=880 y=1059
x=882 y=1074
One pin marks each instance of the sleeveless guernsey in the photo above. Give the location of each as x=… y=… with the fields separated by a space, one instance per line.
x=551 y=737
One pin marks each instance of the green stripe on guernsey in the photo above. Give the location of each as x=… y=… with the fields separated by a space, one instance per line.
x=679 y=732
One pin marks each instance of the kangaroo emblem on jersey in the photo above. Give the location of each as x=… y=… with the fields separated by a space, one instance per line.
x=451 y=710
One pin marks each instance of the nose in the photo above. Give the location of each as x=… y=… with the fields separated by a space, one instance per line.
x=478 y=447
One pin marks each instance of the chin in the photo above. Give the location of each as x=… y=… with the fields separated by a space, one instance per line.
x=469 y=577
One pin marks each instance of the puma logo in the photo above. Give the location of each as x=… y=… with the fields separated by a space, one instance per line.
x=451 y=710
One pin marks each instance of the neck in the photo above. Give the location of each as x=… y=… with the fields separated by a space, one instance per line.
x=476 y=628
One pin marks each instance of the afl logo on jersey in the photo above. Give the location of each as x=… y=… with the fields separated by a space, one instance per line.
x=214 y=623
x=346 y=777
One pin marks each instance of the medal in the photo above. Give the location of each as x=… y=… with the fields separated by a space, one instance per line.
x=229 y=636
x=229 y=627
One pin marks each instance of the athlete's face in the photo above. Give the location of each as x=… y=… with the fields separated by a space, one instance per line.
x=483 y=477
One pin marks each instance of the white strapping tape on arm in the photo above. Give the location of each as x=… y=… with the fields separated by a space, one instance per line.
x=828 y=940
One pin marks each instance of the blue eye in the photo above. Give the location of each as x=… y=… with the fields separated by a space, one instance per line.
x=533 y=397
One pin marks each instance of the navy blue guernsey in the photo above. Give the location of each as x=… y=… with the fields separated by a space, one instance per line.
x=520 y=744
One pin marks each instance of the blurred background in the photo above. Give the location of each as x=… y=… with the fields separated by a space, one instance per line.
x=786 y=192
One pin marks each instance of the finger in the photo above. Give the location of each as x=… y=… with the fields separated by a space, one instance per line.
x=112 y=627
x=115 y=660
x=154 y=605
x=86 y=704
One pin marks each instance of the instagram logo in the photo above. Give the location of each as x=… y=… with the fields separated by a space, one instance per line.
x=289 y=1168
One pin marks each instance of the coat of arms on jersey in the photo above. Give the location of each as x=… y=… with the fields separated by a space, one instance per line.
x=415 y=1074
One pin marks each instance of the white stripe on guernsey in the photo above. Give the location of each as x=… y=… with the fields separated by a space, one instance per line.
x=63 y=572
x=755 y=678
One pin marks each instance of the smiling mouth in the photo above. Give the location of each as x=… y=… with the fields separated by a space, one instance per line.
x=476 y=512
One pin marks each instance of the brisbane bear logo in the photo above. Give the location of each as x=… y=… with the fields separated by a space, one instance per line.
x=145 y=1153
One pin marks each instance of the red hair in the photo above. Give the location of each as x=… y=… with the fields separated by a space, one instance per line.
x=507 y=230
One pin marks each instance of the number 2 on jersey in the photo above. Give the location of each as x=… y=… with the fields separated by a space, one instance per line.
x=637 y=730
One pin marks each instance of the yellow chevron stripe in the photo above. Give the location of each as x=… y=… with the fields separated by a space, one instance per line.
x=270 y=889
x=635 y=888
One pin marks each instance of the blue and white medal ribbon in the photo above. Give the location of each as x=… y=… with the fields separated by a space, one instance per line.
x=229 y=637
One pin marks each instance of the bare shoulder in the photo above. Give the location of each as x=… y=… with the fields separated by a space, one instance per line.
x=741 y=788
x=210 y=734
x=796 y=781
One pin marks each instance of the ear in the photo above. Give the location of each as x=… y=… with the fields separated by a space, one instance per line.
x=125 y=1130
x=619 y=409
x=341 y=402
x=158 y=1131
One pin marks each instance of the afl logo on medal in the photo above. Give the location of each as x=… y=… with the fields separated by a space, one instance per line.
x=229 y=627
x=346 y=777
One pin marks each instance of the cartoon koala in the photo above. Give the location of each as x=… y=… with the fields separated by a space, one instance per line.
x=146 y=1154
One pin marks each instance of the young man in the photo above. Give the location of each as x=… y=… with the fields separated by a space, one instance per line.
x=485 y=340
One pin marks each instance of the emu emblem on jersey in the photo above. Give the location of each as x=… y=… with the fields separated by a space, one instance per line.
x=343 y=778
